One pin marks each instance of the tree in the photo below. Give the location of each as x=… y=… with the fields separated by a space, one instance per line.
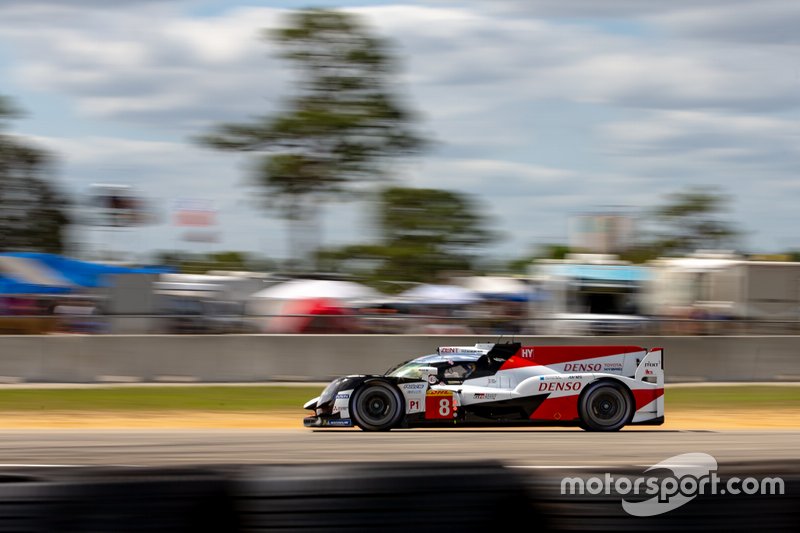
x=201 y=263
x=423 y=234
x=33 y=213
x=338 y=129
x=692 y=219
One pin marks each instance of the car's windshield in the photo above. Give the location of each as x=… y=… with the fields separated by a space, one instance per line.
x=448 y=371
x=407 y=370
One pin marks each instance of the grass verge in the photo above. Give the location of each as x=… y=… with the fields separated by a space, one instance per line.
x=733 y=397
x=277 y=398
x=200 y=398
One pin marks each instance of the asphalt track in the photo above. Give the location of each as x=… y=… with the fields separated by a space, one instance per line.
x=538 y=448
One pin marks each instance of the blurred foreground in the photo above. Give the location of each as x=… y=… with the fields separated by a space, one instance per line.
x=413 y=496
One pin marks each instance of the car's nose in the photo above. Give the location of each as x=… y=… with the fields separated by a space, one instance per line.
x=311 y=404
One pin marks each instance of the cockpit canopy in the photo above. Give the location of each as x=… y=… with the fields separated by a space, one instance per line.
x=456 y=366
x=450 y=367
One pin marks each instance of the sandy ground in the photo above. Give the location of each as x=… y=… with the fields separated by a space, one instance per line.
x=744 y=419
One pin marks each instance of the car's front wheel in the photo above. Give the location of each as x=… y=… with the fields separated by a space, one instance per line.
x=605 y=406
x=377 y=406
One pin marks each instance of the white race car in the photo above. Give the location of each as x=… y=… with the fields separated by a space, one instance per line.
x=599 y=388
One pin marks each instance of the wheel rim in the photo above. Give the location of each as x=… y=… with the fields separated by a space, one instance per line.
x=376 y=406
x=607 y=406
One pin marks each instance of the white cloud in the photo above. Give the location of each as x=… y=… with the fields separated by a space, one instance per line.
x=707 y=138
x=463 y=59
x=481 y=59
x=122 y=65
x=690 y=91
x=763 y=22
x=753 y=157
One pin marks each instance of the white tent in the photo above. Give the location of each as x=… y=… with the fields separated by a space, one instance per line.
x=301 y=289
x=441 y=294
x=270 y=303
x=496 y=285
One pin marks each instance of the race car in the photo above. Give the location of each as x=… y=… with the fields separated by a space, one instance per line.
x=598 y=388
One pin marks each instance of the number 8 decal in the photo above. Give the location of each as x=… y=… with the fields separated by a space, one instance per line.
x=444 y=407
x=439 y=404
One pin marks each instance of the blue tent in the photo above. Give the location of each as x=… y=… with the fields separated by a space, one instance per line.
x=61 y=274
x=11 y=286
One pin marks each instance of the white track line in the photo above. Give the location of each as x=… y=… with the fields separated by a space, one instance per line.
x=37 y=465
x=23 y=465
x=558 y=467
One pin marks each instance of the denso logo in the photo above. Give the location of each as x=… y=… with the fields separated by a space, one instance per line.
x=527 y=353
x=553 y=386
x=582 y=367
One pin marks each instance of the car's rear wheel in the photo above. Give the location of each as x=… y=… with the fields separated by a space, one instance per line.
x=605 y=406
x=377 y=406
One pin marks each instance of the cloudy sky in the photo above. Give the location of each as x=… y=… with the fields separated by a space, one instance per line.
x=540 y=109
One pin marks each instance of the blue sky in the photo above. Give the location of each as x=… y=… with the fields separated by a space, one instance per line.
x=539 y=109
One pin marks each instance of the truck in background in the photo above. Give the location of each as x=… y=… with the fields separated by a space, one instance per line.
x=587 y=294
x=730 y=292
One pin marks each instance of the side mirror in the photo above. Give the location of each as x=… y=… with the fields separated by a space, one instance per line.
x=429 y=374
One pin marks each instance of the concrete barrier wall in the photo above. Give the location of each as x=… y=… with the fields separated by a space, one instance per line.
x=242 y=358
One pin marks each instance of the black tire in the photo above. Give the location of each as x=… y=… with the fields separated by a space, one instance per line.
x=377 y=406
x=605 y=406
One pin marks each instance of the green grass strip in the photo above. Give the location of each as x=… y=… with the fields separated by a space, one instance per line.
x=256 y=398
x=229 y=399
x=733 y=397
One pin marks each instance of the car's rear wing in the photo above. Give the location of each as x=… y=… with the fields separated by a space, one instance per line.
x=477 y=349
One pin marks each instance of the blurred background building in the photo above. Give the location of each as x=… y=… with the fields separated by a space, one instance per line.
x=601 y=233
